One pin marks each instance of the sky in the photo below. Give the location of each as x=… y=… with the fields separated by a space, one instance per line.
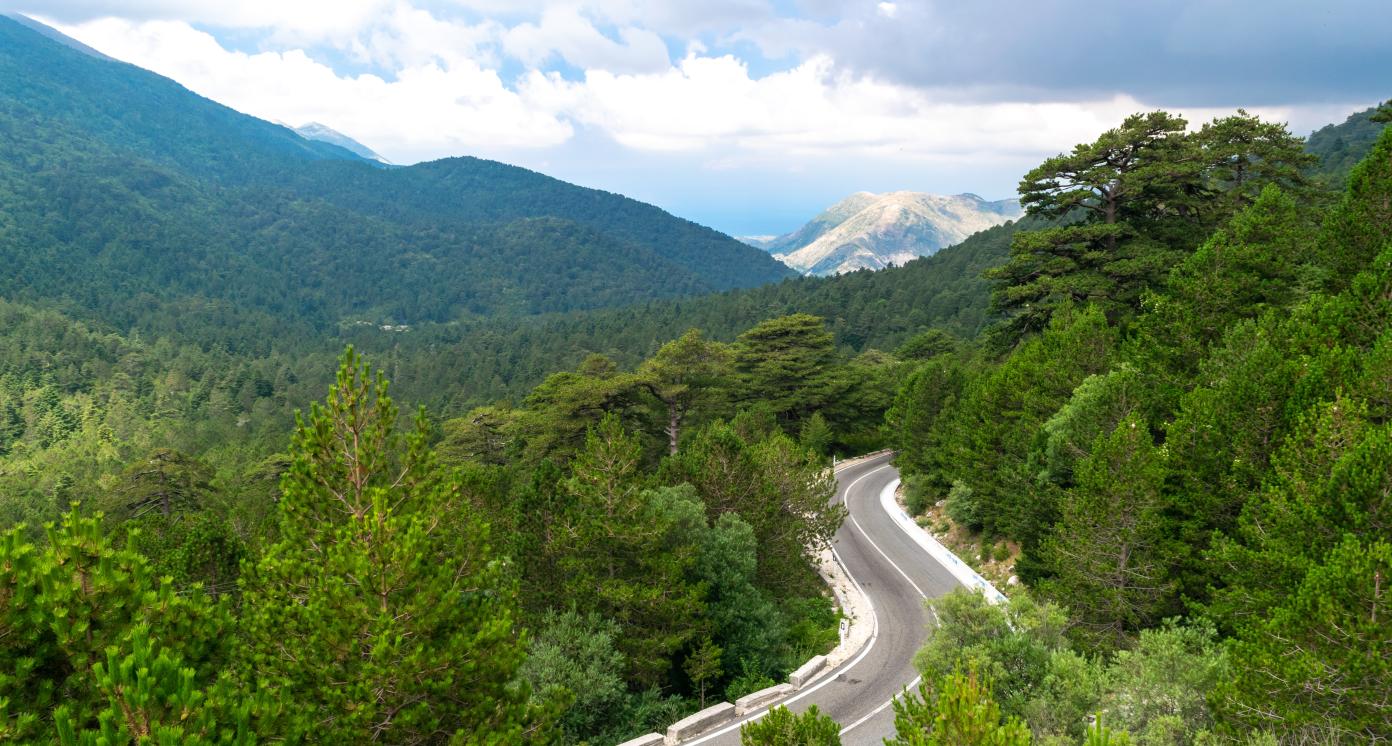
x=749 y=115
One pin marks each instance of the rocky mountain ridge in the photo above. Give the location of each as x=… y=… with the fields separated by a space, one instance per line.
x=874 y=231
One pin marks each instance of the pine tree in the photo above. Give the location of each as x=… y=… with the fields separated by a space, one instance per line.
x=615 y=557
x=956 y=710
x=1110 y=191
x=1108 y=553
x=381 y=612
x=681 y=375
x=788 y=365
x=81 y=602
x=780 y=727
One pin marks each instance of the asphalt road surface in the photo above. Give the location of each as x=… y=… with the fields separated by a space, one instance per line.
x=897 y=575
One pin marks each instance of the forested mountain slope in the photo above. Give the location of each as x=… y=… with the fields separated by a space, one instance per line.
x=129 y=200
x=477 y=362
x=1341 y=146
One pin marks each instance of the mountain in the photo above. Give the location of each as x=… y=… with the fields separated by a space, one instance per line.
x=873 y=231
x=324 y=133
x=504 y=358
x=131 y=202
x=1341 y=146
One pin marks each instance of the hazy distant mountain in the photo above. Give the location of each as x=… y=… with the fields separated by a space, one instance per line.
x=325 y=133
x=873 y=231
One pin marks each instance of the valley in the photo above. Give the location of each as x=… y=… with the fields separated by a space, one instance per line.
x=301 y=445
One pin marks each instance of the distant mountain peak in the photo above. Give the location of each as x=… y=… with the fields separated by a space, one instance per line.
x=873 y=231
x=324 y=133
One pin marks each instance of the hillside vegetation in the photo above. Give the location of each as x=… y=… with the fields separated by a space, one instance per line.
x=131 y=202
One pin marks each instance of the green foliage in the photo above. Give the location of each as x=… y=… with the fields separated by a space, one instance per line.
x=617 y=558
x=780 y=727
x=1320 y=659
x=927 y=345
x=684 y=374
x=152 y=698
x=1340 y=147
x=1108 y=555
x=1361 y=225
x=989 y=436
x=1159 y=691
x=912 y=420
x=1133 y=202
x=1014 y=645
x=1226 y=457
x=1099 y=734
x=963 y=507
x=956 y=710
x=816 y=434
x=780 y=490
x=573 y=659
x=73 y=611
x=381 y=612
x=703 y=667
x=786 y=364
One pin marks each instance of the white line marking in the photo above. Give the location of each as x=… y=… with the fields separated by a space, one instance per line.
x=882 y=707
x=826 y=679
x=882 y=552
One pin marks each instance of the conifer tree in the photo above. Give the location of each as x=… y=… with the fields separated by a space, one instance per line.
x=80 y=603
x=788 y=365
x=1105 y=191
x=956 y=710
x=615 y=556
x=780 y=727
x=1108 y=553
x=681 y=374
x=381 y=612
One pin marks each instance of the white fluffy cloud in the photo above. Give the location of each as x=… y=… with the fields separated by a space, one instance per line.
x=428 y=109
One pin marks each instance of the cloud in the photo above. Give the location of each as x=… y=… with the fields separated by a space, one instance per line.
x=563 y=32
x=813 y=109
x=1191 y=52
x=427 y=110
x=293 y=20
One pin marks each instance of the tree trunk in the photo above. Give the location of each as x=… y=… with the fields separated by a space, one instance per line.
x=673 y=423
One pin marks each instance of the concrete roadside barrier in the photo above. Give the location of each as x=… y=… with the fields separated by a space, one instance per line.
x=753 y=701
x=693 y=725
x=808 y=671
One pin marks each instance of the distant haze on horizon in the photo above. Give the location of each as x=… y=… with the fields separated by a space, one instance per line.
x=748 y=115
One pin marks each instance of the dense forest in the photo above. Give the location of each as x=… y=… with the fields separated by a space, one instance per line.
x=668 y=503
x=1192 y=453
x=1174 y=407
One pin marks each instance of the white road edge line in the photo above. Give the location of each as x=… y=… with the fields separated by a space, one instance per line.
x=889 y=488
x=826 y=679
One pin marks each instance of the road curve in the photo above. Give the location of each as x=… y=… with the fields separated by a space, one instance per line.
x=897 y=574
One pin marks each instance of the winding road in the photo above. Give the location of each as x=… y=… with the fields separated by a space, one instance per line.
x=897 y=574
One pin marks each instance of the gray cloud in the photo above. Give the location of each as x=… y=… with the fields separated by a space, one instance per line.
x=1190 y=52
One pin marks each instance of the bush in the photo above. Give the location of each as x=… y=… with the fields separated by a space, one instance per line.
x=917 y=496
x=782 y=728
x=963 y=506
x=1002 y=552
x=749 y=680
